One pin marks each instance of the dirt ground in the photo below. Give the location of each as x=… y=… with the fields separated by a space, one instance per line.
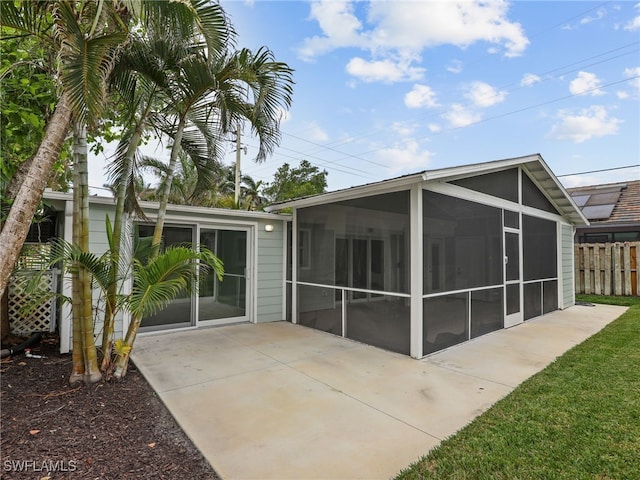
x=110 y=430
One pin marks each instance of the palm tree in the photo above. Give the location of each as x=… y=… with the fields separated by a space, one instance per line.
x=158 y=282
x=252 y=198
x=213 y=94
x=86 y=37
x=143 y=76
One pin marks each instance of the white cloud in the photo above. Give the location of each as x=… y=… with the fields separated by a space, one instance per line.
x=386 y=71
x=600 y=14
x=405 y=157
x=529 y=79
x=316 y=133
x=417 y=25
x=404 y=129
x=634 y=82
x=622 y=95
x=421 y=96
x=634 y=24
x=405 y=29
x=455 y=66
x=590 y=123
x=484 y=95
x=340 y=26
x=460 y=116
x=434 y=128
x=586 y=84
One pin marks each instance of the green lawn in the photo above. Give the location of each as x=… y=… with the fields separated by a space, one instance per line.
x=579 y=418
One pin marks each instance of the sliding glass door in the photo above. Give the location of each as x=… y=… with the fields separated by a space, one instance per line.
x=224 y=301
x=179 y=313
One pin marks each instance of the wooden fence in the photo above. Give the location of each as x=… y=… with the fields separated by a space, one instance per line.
x=607 y=268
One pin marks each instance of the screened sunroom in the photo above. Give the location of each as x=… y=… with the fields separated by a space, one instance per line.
x=423 y=262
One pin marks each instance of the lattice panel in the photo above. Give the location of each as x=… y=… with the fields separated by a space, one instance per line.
x=42 y=318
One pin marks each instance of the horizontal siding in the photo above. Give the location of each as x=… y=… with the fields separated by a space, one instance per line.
x=270 y=273
x=568 y=282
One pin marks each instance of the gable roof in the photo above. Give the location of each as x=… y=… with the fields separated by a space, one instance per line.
x=534 y=165
x=609 y=203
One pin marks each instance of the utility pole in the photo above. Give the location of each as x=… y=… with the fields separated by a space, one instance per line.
x=238 y=146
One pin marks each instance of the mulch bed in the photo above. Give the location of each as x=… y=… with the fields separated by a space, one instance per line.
x=109 y=430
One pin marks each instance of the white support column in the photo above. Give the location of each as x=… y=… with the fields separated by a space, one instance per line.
x=65 y=307
x=294 y=267
x=285 y=239
x=417 y=275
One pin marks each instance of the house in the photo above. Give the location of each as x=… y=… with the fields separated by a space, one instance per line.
x=613 y=211
x=413 y=264
x=425 y=261
x=251 y=245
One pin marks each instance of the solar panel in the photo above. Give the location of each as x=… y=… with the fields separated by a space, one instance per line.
x=598 y=212
x=609 y=198
x=581 y=200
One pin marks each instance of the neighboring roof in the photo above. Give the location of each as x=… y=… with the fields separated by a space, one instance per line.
x=609 y=203
x=534 y=164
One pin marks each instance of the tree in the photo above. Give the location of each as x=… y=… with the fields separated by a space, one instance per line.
x=85 y=55
x=143 y=78
x=215 y=93
x=302 y=181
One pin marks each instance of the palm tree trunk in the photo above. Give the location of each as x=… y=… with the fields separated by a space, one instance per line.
x=122 y=360
x=77 y=365
x=164 y=197
x=15 y=228
x=118 y=228
x=85 y=301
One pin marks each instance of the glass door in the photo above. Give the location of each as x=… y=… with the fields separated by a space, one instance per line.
x=224 y=301
x=179 y=312
x=513 y=294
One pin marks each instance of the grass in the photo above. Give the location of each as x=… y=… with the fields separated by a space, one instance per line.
x=579 y=418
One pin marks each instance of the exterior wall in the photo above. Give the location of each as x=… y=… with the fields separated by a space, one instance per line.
x=271 y=265
x=567 y=263
x=267 y=270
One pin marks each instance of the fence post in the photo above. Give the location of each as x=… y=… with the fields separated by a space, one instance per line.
x=607 y=269
x=627 y=268
x=597 y=288
x=617 y=270
x=587 y=269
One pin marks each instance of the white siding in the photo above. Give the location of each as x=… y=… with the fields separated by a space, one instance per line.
x=270 y=264
x=568 y=282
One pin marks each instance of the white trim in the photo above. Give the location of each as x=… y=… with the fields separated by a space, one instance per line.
x=417 y=274
x=470 y=195
x=294 y=267
x=188 y=209
x=386 y=186
x=559 y=271
x=359 y=290
x=465 y=290
x=252 y=270
x=285 y=240
x=66 y=330
x=532 y=165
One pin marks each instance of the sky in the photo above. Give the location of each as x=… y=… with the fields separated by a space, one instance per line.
x=388 y=88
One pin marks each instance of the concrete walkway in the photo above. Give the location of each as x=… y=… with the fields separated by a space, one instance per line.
x=281 y=401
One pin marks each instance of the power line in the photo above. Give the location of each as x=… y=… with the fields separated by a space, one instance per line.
x=597 y=171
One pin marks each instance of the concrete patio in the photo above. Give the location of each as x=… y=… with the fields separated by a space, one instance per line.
x=281 y=401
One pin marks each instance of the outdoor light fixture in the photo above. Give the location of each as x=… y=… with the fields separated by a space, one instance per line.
x=268 y=228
